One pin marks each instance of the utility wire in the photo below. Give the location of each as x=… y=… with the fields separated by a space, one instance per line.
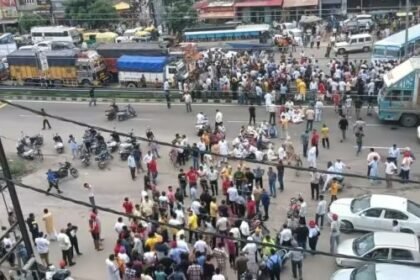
x=166 y=144
x=216 y=235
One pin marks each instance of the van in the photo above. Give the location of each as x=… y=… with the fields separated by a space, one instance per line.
x=354 y=43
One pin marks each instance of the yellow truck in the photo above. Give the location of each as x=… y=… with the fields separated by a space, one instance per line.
x=57 y=68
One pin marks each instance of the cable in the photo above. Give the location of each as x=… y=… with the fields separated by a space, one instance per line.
x=216 y=235
x=166 y=144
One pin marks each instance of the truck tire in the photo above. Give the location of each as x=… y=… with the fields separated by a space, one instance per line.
x=409 y=120
x=86 y=83
x=131 y=85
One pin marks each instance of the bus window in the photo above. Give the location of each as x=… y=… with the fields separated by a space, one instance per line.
x=379 y=51
x=393 y=95
x=393 y=53
x=407 y=95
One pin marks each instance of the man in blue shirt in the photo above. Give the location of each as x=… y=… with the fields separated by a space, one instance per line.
x=274 y=265
x=265 y=201
x=52 y=181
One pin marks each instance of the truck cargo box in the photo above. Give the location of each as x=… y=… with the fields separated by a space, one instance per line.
x=117 y=50
x=22 y=58
x=63 y=58
x=142 y=63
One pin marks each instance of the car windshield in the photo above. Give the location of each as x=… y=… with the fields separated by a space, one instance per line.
x=363 y=244
x=360 y=203
x=366 y=272
x=413 y=208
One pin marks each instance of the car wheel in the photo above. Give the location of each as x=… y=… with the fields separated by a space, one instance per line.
x=366 y=49
x=407 y=230
x=346 y=227
x=409 y=120
x=341 y=51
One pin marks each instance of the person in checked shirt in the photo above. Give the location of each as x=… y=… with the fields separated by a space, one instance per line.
x=194 y=271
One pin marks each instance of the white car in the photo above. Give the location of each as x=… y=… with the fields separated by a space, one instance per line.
x=418 y=133
x=381 y=245
x=379 y=271
x=376 y=213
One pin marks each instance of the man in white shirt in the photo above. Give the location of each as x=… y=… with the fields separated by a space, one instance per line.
x=118 y=227
x=372 y=154
x=65 y=246
x=188 y=101
x=213 y=176
x=281 y=153
x=286 y=236
x=318 y=110
x=218 y=119
x=42 y=247
x=406 y=166
x=321 y=211
x=132 y=166
x=201 y=246
x=224 y=149
x=394 y=154
x=390 y=169
x=89 y=187
x=180 y=243
x=232 y=192
x=268 y=97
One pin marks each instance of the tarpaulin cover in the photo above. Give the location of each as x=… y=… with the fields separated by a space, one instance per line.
x=152 y=64
x=22 y=57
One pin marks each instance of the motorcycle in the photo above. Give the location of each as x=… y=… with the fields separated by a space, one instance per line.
x=57 y=274
x=127 y=113
x=29 y=151
x=127 y=147
x=103 y=158
x=58 y=144
x=65 y=169
x=113 y=143
x=85 y=157
x=111 y=114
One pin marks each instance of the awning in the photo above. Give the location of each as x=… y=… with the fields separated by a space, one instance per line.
x=200 y=4
x=299 y=3
x=217 y=15
x=121 y=6
x=256 y=3
x=331 y=2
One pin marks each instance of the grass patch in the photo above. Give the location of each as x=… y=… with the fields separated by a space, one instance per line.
x=20 y=167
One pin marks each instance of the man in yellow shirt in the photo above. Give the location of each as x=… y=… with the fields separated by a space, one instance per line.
x=334 y=189
x=284 y=124
x=152 y=240
x=325 y=132
x=213 y=211
x=192 y=225
x=301 y=87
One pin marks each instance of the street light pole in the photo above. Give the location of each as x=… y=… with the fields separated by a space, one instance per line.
x=407 y=20
x=15 y=201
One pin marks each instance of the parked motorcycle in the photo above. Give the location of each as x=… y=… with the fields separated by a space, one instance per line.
x=29 y=149
x=65 y=169
x=127 y=146
x=58 y=144
x=127 y=113
x=85 y=157
x=103 y=158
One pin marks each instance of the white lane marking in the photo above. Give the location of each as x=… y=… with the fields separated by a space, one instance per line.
x=30 y=116
x=236 y=121
x=140 y=119
x=375 y=147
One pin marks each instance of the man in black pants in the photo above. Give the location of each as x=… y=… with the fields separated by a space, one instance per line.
x=52 y=181
x=251 y=113
x=71 y=233
x=45 y=122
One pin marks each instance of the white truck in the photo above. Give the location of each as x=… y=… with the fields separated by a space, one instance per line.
x=141 y=71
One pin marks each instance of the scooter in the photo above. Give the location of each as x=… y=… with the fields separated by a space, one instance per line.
x=112 y=145
x=127 y=147
x=65 y=169
x=58 y=144
x=103 y=158
x=127 y=113
x=24 y=151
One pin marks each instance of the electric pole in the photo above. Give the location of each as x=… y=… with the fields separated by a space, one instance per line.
x=407 y=25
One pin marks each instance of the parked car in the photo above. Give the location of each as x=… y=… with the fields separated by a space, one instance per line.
x=418 y=133
x=375 y=212
x=392 y=246
x=379 y=271
x=355 y=43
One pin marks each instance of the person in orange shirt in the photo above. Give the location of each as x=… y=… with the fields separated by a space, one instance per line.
x=206 y=139
x=284 y=124
x=334 y=189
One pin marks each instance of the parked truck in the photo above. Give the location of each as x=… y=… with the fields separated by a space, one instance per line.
x=112 y=52
x=140 y=71
x=56 y=68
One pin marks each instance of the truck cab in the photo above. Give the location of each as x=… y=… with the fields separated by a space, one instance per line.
x=176 y=71
x=399 y=100
x=91 y=69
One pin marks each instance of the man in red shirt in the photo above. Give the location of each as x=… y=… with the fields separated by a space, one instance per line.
x=192 y=176
x=315 y=140
x=153 y=170
x=128 y=206
x=251 y=208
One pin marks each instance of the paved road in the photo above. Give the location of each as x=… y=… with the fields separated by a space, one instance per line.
x=113 y=184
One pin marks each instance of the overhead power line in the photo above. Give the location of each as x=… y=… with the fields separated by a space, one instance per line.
x=216 y=235
x=166 y=144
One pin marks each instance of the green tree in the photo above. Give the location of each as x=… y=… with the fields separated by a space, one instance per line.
x=27 y=21
x=91 y=13
x=180 y=14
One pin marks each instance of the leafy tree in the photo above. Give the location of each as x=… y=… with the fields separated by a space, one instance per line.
x=91 y=13
x=180 y=14
x=27 y=21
